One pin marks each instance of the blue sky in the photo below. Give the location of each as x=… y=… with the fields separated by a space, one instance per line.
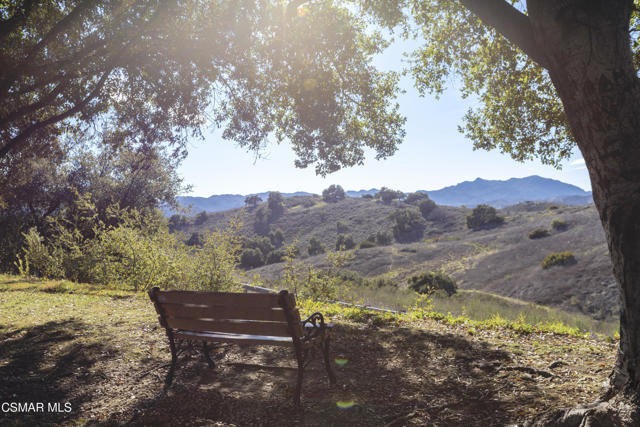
x=433 y=155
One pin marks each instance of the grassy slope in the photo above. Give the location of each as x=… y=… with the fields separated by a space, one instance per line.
x=503 y=260
x=104 y=352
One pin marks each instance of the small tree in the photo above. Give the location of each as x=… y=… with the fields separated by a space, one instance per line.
x=426 y=283
x=384 y=238
x=177 y=222
x=345 y=242
x=387 y=195
x=252 y=201
x=409 y=225
x=414 y=198
x=276 y=237
x=342 y=227
x=251 y=258
x=196 y=239
x=315 y=247
x=484 y=216
x=426 y=206
x=275 y=201
x=201 y=218
x=332 y=194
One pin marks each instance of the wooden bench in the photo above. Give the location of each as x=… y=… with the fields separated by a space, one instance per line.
x=253 y=319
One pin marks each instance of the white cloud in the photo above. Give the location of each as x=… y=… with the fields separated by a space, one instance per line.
x=577 y=162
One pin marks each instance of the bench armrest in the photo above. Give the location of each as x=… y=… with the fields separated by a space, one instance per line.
x=314 y=325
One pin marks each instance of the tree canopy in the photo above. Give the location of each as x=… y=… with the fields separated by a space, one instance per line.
x=156 y=72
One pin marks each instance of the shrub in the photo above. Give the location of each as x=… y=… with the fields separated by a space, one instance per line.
x=275 y=256
x=315 y=247
x=387 y=195
x=367 y=196
x=539 y=233
x=333 y=194
x=413 y=198
x=201 y=218
x=426 y=206
x=426 y=283
x=484 y=216
x=345 y=242
x=409 y=225
x=342 y=227
x=308 y=202
x=559 y=225
x=384 y=238
x=367 y=244
x=276 y=237
x=177 y=222
x=251 y=258
x=275 y=201
x=558 y=258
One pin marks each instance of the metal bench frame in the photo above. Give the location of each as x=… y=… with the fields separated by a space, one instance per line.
x=245 y=319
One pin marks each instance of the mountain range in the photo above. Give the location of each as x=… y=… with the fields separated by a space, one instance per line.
x=496 y=193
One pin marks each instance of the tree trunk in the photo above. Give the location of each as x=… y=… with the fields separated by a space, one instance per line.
x=589 y=59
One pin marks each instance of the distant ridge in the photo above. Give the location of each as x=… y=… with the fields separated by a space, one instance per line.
x=512 y=191
x=469 y=193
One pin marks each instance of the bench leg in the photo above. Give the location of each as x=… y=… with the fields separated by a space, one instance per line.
x=298 y=391
x=327 y=360
x=174 y=361
x=205 y=350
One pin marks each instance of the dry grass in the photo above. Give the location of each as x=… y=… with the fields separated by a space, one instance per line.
x=106 y=355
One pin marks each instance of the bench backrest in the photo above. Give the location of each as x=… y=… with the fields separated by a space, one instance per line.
x=227 y=312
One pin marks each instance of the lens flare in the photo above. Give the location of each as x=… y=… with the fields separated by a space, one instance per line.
x=341 y=362
x=345 y=404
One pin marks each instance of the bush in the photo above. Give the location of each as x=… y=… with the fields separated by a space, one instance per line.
x=333 y=194
x=484 y=216
x=409 y=225
x=539 y=233
x=275 y=201
x=308 y=202
x=559 y=225
x=384 y=238
x=201 y=218
x=426 y=206
x=427 y=283
x=276 y=237
x=558 y=258
x=345 y=242
x=315 y=247
x=196 y=239
x=387 y=195
x=342 y=227
x=367 y=196
x=275 y=256
x=367 y=244
x=251 y=258
x=414 y=198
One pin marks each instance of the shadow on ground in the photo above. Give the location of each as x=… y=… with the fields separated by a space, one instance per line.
x=396 y=376
x=49 y=364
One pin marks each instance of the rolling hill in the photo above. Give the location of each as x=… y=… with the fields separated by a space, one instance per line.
x=469 y=193
x=502 y=260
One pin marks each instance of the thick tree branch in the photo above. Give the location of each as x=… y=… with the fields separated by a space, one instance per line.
x=26 y=133
x=510 y=22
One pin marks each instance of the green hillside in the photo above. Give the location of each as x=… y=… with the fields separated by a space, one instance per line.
x=501 y=260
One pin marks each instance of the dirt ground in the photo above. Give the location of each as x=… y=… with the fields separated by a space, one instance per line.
x=111 y=369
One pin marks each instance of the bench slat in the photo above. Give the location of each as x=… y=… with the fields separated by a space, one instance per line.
x=236 y=339
x=279 y=329
x=228 y=299
x=271 y=314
